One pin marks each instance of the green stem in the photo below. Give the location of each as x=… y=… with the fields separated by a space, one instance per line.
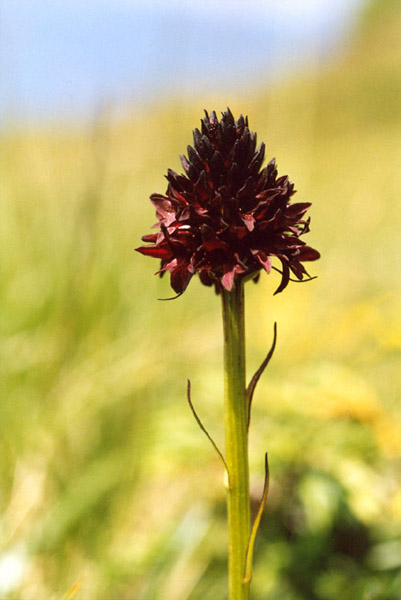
x=236 y=436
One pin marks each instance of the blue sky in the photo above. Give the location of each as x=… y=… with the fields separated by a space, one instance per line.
x=60 y=57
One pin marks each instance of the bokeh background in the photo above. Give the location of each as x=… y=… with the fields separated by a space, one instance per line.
x=108 y=489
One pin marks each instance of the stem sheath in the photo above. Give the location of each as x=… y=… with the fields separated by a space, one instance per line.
x=236 y=439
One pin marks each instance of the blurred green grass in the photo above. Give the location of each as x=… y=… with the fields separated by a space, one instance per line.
x=108 y=488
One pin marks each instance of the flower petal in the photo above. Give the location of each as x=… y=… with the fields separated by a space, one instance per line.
x=180 y=277
x=284 y=279
x=155 y=251
x=264 y=260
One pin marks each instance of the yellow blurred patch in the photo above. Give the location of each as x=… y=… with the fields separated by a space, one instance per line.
x=72 y=592
x=388 y=436
x=334 y=391
x=395 y=506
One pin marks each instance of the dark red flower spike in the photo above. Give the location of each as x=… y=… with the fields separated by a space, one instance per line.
x=225 y=219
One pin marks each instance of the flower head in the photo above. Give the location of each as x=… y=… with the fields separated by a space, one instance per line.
x=226 y=218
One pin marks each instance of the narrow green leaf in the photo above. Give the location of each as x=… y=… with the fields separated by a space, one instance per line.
x=205 y=430
x=252 y=385
x=255 y=526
